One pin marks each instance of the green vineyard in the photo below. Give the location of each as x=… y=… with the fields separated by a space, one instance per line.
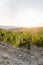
x=22 y=38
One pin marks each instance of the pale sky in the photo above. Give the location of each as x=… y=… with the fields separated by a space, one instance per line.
x=26 y=13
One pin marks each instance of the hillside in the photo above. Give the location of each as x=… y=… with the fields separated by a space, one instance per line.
x=14 y=28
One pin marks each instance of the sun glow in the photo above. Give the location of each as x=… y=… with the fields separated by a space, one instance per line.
x=25 y=18
x=21 y=13
x=29 y=18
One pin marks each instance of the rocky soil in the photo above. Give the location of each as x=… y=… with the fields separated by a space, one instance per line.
x=16 y=56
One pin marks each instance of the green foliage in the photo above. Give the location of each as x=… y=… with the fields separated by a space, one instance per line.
x=21 y=39
x=37 y=39
x=25 y=40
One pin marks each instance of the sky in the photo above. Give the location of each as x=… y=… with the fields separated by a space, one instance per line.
x=22 y=13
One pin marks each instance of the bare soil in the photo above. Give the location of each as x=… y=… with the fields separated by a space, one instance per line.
x=17 y=56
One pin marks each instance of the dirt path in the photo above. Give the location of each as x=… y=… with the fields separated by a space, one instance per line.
x=10 y=56
x=36 y=55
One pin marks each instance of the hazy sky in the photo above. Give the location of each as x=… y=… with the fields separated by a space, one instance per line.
x=21 y=12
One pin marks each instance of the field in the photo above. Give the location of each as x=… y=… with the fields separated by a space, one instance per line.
x=22 y=37
x=21 y=46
